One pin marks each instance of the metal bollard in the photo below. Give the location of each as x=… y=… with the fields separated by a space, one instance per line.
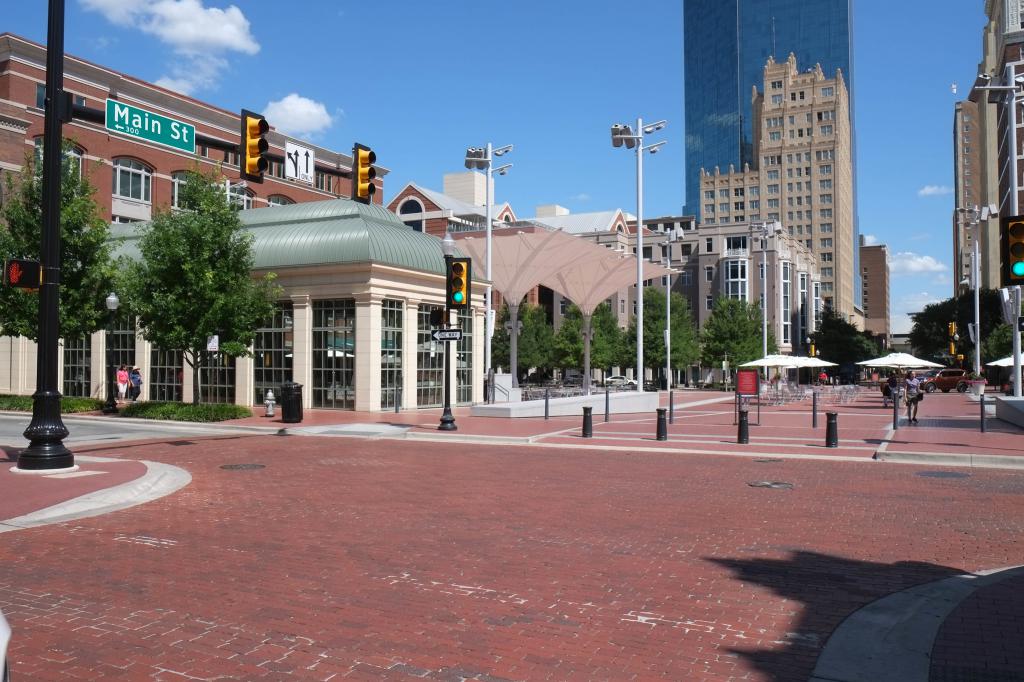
x=982 y=403
x=831 y=429
x=547 y=396
x=662 y=433
x=896 y=409
x=671 y=409
x=588 y=423
x=814 y=410
x=607 y=402
x=398 y=399
x=743 y=433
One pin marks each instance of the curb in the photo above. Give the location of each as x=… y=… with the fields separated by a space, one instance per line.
x=158 y=481
x=892 y=637
x=949 y=459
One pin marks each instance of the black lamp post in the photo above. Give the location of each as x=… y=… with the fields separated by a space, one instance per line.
x=447 y=418
x=111 y=407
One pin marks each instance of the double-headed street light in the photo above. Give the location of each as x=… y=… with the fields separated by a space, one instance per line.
x=111 y=405
x=623 y=134
x=482 y=158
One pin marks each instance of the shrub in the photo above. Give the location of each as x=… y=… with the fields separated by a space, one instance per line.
x=23 y=403
x=186 y=412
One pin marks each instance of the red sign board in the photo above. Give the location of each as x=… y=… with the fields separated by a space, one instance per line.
x=747 y=382
x=22 y=273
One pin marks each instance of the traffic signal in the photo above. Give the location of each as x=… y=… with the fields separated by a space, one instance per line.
x=22 y=273
x=458 y=282
x=811 y=354
x=363 y=173
x=953 y=338
x=252 y=153
x=1011 y=250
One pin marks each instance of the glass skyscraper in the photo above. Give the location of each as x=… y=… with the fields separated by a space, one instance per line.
x=726 y=45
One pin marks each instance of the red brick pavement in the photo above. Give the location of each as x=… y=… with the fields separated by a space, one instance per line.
x=982 y=640
x=353 y=559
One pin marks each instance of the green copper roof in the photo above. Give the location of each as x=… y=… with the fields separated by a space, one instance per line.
x=337 y=231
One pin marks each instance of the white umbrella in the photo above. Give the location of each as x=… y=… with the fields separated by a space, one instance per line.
x=772 y=361
x=813 y=362
x=898 y=361
x=1002 y=362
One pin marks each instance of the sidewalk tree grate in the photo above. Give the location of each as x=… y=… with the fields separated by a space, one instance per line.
x=241 y=467
x=782 y=485
x=943 y=474
x=768 y=460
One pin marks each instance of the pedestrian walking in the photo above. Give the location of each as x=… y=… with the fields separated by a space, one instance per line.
x=914 y=396
x=122 y=382
x=135 y=378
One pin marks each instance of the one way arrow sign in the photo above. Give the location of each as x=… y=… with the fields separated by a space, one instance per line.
x=447 y=334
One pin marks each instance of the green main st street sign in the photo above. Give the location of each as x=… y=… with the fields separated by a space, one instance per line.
x=146 y=125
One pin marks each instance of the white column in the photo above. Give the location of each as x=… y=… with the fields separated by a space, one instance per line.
x=98 y=364
x=142 y=360
x=367 y=360
x=302 y=346
x=244 y=380
x=479 y=343
x=410 y=359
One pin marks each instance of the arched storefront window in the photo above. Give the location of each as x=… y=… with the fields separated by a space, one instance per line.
x=334 y=350
x=241 y=197
x=279 y=200
x=177 y=183
x=72 y=155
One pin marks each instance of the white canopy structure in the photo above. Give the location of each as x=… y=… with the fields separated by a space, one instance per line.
x=580 y=270
x=1001 y=362
x=898 y=361
x=589 y=281
x=797 y=361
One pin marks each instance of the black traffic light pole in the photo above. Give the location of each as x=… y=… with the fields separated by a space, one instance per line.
x=46 y=432
x=447 y=418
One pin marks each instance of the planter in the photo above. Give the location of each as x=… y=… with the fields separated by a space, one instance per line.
x=976 y=387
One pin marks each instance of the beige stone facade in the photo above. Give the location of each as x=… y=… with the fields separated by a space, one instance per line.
x=967 y=146
x=804 y=178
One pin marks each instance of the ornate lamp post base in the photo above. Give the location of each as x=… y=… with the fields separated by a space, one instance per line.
x=46 y=451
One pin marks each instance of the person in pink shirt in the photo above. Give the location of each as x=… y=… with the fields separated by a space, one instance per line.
x=122 y=382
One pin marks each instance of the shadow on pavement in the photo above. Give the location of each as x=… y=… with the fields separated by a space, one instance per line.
x=829 y=588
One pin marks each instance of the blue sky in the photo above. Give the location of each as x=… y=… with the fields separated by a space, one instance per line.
x=550 y=78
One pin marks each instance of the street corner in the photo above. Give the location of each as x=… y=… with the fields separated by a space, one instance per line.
x=95 y=485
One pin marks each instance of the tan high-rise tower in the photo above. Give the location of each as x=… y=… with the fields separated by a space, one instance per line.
x=804 y=174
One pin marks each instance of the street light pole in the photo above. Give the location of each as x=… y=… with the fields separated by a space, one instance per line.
x=46 y=432
x=766 y=229
x=624 y=134
x=483 y=159
x=111 y=405
x=447 y=418
x=668 y=318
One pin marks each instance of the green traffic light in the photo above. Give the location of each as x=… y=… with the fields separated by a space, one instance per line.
x=1018 y=269
x=457 y=296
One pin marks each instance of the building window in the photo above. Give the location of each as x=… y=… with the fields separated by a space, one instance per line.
x=776 y=99
x=736 y=279
x=324 y=181
x=121 y=342
x=72 y=157
x=390 y=352
x=776 y=85
x=773 y=175
x=826 y=243
x=165 y=374
x=709 y=194
x=686 y=278
x=824 y=184
x=775 y=136
x=826 y=228
x=464 y=359
x=825 y=213
x=826 y=115
x=178 y=179
x=825 y=198
x=825 y=154
x=709 y=273
x=709 y=244
x=787 y=285
x=723 y=194
x=78 y=367
x=709 y=302
x=429 y=361
x=825 y=257
x=802 y=305
x=828 y=91
x=217 y=379
x=723 y=208
x=737 y=192
x=279 y=200
x=241 y=197
x=334 y=348
x=826 y=130
x=273 y=352
x=132 y=180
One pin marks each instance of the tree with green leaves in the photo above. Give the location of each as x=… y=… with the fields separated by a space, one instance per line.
x=536 y=340
x=194 y=279
x=606 y=339
x=685 y=348
x=733 y=330
x=998 y=344
x=929 y=337
x=86 y=268
x=841 y=342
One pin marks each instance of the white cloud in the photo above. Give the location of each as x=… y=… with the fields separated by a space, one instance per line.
x=910 y=263
x=934 y=190
x=298 y=115
x=870 y=239
x=904 y=306
x=581 y=197
x=197 y=34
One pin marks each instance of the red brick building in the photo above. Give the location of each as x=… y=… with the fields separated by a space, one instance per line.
x=132 y=176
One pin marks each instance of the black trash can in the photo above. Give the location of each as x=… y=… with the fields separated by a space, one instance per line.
x=291 y=402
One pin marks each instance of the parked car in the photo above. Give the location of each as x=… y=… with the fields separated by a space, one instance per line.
x=5 y=638
x=946 y=380
x=619 y=380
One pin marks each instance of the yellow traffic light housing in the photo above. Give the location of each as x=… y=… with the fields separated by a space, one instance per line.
x=363 y=173
x=252 y=153
x=458 y=282
x=1011 y=250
